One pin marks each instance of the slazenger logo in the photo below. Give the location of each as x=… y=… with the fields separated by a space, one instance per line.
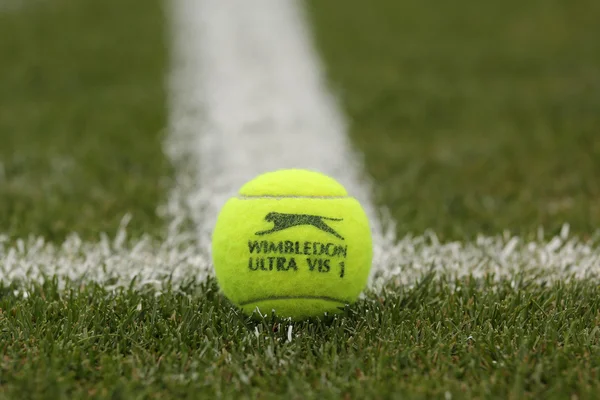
x=285 y=221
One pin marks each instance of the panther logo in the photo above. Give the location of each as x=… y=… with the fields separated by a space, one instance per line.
x=285 y=221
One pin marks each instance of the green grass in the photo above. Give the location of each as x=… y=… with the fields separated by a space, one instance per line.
x=480 y=340
x=82 y=114
x=474 y=117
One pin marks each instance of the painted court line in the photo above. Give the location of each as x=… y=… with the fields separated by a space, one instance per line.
x=115 y=263
x=249 y=96
x=244 y=100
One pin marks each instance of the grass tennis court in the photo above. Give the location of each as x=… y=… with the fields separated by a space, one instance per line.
x=477 y=128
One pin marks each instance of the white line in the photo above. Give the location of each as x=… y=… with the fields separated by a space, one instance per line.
x=248 y=96
x=115 y=263
x=228 y=124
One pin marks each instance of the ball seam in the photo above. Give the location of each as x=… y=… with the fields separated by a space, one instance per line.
x=268 y=298
x=245 y=197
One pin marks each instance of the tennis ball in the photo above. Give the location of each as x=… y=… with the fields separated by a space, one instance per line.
x=292 y=241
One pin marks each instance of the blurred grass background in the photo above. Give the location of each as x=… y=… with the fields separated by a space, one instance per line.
x=82 y=115
x=474 y=117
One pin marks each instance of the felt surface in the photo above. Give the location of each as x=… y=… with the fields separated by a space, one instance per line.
x=298 y=256
x=293 y=182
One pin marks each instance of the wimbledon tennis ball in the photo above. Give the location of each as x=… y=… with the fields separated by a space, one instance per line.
x=292 y=241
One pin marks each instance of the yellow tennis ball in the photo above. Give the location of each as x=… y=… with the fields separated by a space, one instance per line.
x=292 y=241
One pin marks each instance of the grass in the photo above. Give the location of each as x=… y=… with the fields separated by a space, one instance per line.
x=82 y=114
x=479 y=340
x=474 y=117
